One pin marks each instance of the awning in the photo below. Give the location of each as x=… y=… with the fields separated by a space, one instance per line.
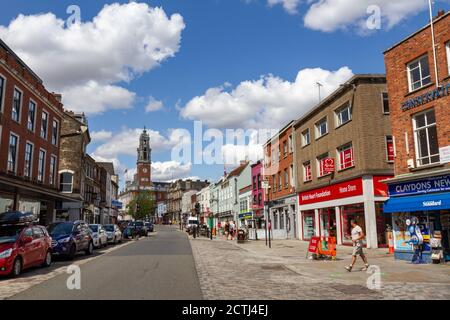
x=426 y=202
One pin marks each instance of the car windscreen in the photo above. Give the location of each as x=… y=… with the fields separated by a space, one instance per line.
x=9 y=234
x=138 y=223
x=60 y=229
x=109 y=228
x=93 y=228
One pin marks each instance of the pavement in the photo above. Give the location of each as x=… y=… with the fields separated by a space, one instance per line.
x=232 y=271
x=159 y=267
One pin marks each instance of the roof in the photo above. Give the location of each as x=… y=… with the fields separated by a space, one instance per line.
x=339 y=91
x=238 y=170
x=436 y=19
x=108 y=166
x=280 y=132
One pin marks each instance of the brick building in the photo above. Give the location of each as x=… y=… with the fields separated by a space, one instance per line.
x=281 y=197
x=30 y=120
x=343 y=148
x=419 y=94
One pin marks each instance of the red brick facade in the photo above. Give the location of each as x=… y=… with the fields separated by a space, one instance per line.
x=397 y=60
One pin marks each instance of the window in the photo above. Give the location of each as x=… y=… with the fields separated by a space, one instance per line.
x=274 y=183
x=291 y=174
x=259 y=181
x=321 y=128
x=285 y=149
x=306 y=138
x=28 y=159
x=41 y=166
x=17 y=103
x=307 y=173
x=55 y=135
x=44 y=125
x=448 y=58
x=2 y=92
x=321 y=164
x=260 y=199
x=345 y=156
x=273 y=156
x=254 y=182
x=12 y=154
x=425 y=137
x=290 y=144
x=31 y=115
x=343 y=114
x=390 y=149
x=51 y=177
x=419 y=73
x=286 y=179
x=385 y=101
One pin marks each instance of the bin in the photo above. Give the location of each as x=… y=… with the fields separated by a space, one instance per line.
x=241 y=236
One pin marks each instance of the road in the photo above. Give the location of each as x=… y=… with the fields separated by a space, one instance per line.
x=157 y=268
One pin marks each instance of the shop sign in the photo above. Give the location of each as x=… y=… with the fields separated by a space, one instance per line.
x=428 y=185
x=328 y=165
x=313 y=244
x=337 y=191
x=380 y=189
x=432 y=95
x=245 y=216
x=444 y=154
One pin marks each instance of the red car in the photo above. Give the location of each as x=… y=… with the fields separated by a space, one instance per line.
x=22 y=244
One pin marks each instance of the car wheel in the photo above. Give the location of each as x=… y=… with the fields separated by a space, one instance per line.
x=17 y=267
x=72 y=252
x=48 y=259
x=90 y=249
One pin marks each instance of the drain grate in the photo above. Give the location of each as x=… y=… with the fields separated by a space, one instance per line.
x=353 y=289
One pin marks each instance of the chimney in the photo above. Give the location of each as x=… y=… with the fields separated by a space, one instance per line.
x=57 y=96
x=439 y=14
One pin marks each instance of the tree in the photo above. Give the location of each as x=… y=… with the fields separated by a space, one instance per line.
x=142 y=206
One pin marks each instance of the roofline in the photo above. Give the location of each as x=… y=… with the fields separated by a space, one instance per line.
x=8 y=49
x=343 y=87
x=282 y=130
x=417 y=32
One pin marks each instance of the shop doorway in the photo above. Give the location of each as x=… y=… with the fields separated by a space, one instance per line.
x=348 y=213
x=383 y=221
x=327 y=222
x=308 y=219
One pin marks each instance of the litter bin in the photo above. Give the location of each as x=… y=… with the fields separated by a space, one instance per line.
x=241 y=236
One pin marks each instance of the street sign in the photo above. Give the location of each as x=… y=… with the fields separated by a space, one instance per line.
x=265 y=184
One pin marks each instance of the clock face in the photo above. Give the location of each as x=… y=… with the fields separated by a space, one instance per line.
x=145 y=170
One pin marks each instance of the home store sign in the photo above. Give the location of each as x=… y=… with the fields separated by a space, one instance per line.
x=428 y=185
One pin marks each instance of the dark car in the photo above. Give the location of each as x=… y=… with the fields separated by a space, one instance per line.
x=150 y=226
x=22 y=244
x=69 y=238
x=140 y=228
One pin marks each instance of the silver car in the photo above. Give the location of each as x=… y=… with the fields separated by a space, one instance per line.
x=99 y=235
x=113 y=233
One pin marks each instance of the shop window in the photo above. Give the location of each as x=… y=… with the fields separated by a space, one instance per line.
x=308 y=224
x=425 y=136
x=31 y=115
x=275 y=220
x=346 y=156
x=12 y=152
x=321 y=165
x=383 y=222
x=321 y=128
x=307 y=173
x=385 y=102
x=356 y=212
x=343 y=114
x=306 y=138
x=419 y=73
x=66 y=183
x=281 y=220
x=17 y=105
x=28 y=160
x=390 y=149
x=327 y=222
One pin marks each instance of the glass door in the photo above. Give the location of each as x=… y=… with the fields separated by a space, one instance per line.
x=327 y=222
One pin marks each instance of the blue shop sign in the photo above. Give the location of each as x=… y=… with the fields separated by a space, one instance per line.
x=423 y=186
x=442 y=91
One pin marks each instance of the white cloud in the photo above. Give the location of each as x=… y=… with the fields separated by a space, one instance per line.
x=102 y=135
x=126 y=143
x=289 y=5
x=170 y=170
x=331 y=15
x=153 y=105
x=121 y=42
x=269 y=102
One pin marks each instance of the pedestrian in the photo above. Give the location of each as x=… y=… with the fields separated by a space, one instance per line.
x=227 y=229
x=357 y=237
x=232 y=230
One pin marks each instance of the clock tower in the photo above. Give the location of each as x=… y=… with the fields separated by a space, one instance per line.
x=144 y=162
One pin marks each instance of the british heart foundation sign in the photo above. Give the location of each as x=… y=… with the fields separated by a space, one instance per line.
x=328 y=165
x=336 y=191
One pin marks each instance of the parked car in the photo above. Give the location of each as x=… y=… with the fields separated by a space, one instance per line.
x=140 y=227
x=113 y=232
x=99 y=235
x=22 y=244
x=150 y=226
x=69 y=238
x=129 y=232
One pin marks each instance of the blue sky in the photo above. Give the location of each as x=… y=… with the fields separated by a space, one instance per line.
x=223 y=43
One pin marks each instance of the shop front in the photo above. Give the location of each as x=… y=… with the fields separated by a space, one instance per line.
x=283 y=216
x=327 y=211
x=420 y=212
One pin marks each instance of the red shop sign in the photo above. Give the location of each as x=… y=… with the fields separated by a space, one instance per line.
x=313 y=243
x=380 y=189
x=337 y=191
